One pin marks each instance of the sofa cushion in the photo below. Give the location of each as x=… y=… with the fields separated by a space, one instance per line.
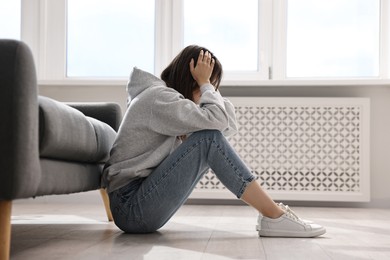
x=66 y=133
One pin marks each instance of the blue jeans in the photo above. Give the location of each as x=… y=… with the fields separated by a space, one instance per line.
x=146 y=204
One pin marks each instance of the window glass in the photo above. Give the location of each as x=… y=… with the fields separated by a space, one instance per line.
x=10 y=19
x=107 y=38
x=229 y=28
x=333 y=38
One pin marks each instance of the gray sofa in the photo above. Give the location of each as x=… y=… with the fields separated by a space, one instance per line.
x=46 y=147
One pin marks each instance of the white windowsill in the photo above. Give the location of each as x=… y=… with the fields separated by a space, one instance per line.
x=258 y=83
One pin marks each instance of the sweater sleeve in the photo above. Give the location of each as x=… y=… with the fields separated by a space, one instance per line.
x=231 y=128
x=173 y=115
x=232 y=125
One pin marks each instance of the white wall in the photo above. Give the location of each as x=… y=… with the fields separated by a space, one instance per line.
x=380 y=120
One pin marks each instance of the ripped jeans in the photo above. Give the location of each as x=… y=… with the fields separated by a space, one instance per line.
x=146 y=204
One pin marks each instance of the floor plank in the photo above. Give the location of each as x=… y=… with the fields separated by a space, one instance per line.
x=81 y=231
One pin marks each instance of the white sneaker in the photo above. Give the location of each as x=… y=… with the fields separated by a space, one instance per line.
x=287 y=225
x=286 y=208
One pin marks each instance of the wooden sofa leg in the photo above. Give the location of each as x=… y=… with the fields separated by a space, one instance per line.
x=106 y=201
x=5 y=228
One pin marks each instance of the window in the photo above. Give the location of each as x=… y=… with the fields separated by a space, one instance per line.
x=10 y=19
x=333 y=38
x=110 y=38
x=259 y=42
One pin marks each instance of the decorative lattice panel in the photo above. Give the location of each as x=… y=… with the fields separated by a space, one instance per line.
x=301 y=148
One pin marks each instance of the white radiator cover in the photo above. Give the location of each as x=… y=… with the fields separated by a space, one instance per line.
x=304 y=149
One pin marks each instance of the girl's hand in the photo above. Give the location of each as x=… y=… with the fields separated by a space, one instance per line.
x=204 y=67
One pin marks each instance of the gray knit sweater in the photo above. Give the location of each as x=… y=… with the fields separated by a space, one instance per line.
x=155 y=117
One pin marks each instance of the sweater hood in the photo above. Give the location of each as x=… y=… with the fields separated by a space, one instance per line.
x=141 y=80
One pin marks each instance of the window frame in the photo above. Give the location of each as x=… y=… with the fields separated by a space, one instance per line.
x=47 y=40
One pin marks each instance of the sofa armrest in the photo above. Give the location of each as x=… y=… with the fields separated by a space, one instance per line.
x=19 y=149
x=109 y=113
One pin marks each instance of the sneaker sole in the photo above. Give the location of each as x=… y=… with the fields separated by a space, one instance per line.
x=283 y=233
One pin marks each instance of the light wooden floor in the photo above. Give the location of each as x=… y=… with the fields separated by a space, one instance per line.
x=66 y=231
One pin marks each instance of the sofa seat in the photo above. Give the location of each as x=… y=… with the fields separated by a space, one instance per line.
x=67 y=134
x=46 y=147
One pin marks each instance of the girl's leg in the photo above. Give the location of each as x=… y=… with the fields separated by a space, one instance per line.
x=147 y=204
x=273 y=220
x=232 y=171
x=255 y=196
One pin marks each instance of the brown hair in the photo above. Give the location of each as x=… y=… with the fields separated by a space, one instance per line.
x=178 y=76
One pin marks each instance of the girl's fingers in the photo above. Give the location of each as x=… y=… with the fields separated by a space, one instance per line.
x=192 y=65
x=201 y=56
x=212 y=64
x=204 y=57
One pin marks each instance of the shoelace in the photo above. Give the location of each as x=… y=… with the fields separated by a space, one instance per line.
x=290 y=213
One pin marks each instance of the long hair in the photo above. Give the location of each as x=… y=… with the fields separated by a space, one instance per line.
x=178 y=75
